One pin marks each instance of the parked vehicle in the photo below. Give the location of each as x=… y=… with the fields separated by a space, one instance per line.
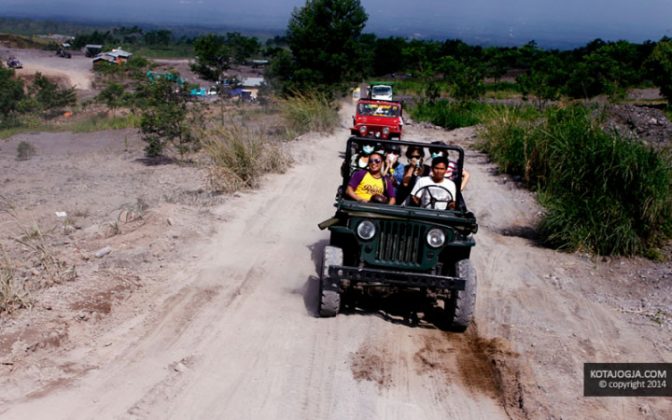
x=61 y=52
x=378 y=119
x=92 y=50
x=378 y=248
x=14 y=63
x=381 y=92
x=199 y=91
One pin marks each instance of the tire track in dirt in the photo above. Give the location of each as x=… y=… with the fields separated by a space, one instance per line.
x=484 y=367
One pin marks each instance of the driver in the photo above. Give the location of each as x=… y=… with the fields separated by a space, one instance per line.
x=435 y=191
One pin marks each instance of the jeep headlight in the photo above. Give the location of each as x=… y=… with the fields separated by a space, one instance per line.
x=362 y=130
x=386 y=130
x=366 y=230
x=436 y=238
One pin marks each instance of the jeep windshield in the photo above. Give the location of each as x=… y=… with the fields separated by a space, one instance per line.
x=381 y=92
x=378 y=109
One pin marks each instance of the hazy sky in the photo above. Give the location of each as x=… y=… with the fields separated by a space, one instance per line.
x=517 y=20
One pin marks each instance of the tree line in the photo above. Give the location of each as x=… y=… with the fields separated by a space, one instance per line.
x=325 y=47
x=328 y=49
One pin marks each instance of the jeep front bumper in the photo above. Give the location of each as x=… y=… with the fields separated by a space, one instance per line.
x=376 y=277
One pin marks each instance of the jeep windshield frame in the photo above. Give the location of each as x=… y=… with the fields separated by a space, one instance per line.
x=457 y=215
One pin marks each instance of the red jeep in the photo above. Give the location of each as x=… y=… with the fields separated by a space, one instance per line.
x=378 y=119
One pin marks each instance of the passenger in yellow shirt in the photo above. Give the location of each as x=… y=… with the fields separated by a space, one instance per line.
x=367 y=184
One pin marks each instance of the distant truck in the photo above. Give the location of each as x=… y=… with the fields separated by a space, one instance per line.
x=14 y=63
x=378 y=119
x=380 y=91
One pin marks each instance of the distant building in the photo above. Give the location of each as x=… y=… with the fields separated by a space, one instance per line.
x=252 y=82
x=258 y=63
x=251 y=86
x=116 y=56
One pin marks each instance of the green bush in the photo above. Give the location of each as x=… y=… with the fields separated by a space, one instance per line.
x=509 y=136
x=602 y=193
x=451 y=115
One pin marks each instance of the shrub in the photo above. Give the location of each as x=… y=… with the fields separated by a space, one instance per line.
x=509 y=138
x=602 y=193
x=168 y=118
x=240 y=156
x=49 y=97
x=25 y=151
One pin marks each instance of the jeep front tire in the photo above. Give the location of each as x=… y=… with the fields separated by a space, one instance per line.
x=461 y=304
x=330 y=297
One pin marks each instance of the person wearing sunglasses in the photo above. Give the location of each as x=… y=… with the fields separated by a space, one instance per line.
x=371 y=185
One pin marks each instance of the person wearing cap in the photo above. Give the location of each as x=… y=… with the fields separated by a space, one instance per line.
x=371 y=185
x=423 y=191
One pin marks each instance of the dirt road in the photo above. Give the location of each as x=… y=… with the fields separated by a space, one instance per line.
x=233 y=334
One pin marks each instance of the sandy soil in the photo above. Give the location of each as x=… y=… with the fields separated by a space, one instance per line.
x=205 y=308
x=75 y=72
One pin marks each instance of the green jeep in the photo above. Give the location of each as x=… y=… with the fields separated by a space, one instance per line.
x=405 y=247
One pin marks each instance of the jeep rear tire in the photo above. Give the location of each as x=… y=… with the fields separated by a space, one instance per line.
x=330 y=297
x=461 y=304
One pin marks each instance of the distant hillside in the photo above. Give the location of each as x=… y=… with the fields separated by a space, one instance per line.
x=21 y=41
x=66 y=26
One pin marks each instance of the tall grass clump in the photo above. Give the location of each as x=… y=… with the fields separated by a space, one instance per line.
x=511 y=138
x=602 y=193
x=309 y=112
x=449 y=114
x=13 y=294
x=240 y=156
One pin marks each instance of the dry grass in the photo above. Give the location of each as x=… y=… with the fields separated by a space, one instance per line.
x=55 y=269
x=111 y=229
x=41 y=256
x=13 y=294
x=239 y=156
x=132 y=212
x=305 y=113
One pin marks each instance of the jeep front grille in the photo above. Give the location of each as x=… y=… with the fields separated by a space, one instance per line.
x=400 y=242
